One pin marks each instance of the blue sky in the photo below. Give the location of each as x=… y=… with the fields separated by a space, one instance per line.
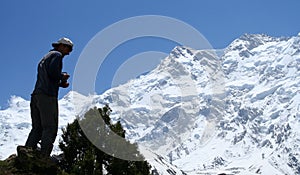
x=29 y=27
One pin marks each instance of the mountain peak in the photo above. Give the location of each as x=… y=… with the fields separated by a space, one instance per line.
x=182 y=51
x=255 y=37
x=17 y=102
x=247 y=42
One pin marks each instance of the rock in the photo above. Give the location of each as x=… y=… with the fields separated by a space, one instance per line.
x=29 y=162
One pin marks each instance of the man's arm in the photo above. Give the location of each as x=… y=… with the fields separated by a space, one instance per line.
x=55 y=66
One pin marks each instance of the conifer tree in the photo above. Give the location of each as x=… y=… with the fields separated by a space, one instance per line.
x=82 y=157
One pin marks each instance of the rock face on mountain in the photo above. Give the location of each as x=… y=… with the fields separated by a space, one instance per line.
x=234 y=110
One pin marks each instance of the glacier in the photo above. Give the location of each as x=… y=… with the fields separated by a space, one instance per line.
x=232 y=110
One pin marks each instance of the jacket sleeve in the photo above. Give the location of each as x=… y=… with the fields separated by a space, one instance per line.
x=55 y=67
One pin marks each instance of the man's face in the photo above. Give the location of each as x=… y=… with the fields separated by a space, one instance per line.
x=65 y=49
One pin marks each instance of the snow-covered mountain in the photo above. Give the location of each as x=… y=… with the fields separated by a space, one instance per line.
x=233 y=111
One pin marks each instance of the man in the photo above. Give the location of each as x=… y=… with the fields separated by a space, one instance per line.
x=44 y=103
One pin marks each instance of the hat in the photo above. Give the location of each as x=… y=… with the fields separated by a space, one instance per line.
x=65 y=41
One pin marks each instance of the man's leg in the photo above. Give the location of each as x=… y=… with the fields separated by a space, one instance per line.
x=35 y=134
x=49 y=118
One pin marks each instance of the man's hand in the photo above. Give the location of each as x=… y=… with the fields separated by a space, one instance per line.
x=65 y=76
x=64 y=84
x=64 y=80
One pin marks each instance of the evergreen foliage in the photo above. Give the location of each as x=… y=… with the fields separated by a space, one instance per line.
x=82 y=157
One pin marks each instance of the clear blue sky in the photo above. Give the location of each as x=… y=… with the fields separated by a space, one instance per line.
x=29 y=27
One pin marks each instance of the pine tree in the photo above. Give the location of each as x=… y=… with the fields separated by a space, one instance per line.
x=79 y=152
x=82 y=157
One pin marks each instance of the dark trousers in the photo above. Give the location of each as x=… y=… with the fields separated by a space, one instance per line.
x=44 y=116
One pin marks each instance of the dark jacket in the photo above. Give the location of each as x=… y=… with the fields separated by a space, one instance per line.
x=49 y=74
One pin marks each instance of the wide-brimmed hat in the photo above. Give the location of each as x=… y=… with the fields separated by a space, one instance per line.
x=65 y=41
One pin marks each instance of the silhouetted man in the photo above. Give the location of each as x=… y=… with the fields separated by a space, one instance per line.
x=44 y=99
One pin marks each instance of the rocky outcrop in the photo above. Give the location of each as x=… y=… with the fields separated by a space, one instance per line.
x=29 y=162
